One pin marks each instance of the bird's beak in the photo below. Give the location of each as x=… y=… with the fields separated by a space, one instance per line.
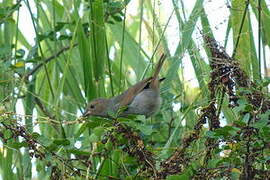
x=86 y=113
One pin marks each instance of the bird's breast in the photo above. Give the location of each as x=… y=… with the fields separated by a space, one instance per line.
x=145 y=103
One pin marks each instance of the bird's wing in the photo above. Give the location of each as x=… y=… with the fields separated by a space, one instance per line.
x=127 y=96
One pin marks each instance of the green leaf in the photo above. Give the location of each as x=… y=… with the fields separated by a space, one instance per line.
x=5 y=50
x=117 y=18
x=239 y=123
x=266 y=81
x=64 y=37
x=20 y=53
x=246 y=117
x=7 y=134
x=97 y=134
x=64 y=142
x=52 y=147
x=19 y=64
x=265 y=132
x=178 y=177
x=18 y=145
x=188 y=29
x=264 y=116
x=35 y=135
x=60 y=25
x=226 y=131
x=211 y=134
x=78 y=152
x=109 y=145
x=112 y=114
x=86 y=62
x=146 y=129
x=44 y=140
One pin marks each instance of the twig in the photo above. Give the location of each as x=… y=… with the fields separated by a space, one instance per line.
x=57 y=54
x=46 y=112
x=11 y=12
x=240 y=29
x=43 y=108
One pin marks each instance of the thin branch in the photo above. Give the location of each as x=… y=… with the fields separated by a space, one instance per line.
x=240 y=29
x=259 y=35
x=57 y=54
x=37 y=41
x=9 y=14
x=43 y=108
x=109 y=66
x=122 y=49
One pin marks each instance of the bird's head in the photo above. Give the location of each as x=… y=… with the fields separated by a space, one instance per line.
x=97 y=107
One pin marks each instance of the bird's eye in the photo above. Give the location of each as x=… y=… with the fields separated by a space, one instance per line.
x=92 y=107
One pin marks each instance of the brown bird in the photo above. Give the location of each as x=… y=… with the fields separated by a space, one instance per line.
x=142 y=98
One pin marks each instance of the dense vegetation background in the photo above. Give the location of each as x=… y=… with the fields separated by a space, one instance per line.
x=215 y=128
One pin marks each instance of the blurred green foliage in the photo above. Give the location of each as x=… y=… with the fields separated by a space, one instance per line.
x=88 y=49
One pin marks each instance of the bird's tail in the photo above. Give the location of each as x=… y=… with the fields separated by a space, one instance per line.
x=159 y=65
x=155 y=80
